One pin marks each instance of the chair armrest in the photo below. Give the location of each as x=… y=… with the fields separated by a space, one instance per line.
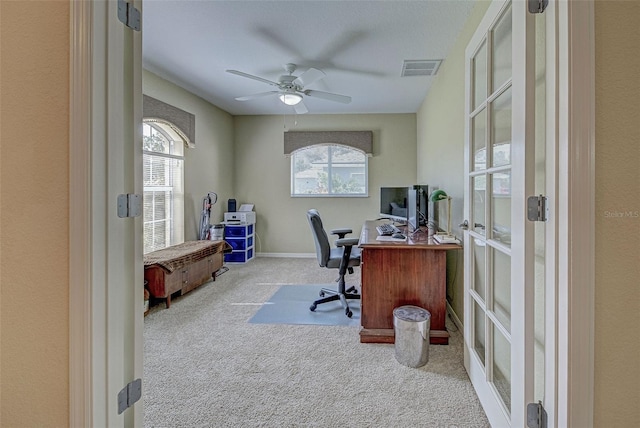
x=347 y=242
x=341 y=232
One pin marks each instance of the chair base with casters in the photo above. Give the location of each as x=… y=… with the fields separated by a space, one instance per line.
x=344 y=257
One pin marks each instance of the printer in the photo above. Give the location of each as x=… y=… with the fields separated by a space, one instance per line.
x=245 y=215
x=240 y=217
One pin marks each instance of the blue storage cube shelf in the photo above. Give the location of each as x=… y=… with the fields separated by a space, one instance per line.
x=240 y=238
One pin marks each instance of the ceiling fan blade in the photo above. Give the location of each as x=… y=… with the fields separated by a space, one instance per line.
x=300 y=108
x=250 y=76
x=344 y=99
x=254 y=96
x=309 y=76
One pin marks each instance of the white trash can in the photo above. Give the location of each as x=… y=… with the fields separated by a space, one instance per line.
x=216 y=232
x=411 y=326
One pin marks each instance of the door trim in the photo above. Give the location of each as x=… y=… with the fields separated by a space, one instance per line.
x=80 y=304
x=576 y=213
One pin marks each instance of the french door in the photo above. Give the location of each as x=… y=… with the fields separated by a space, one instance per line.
x=499 y=319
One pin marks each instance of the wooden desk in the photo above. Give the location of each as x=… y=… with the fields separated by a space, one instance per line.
x=412 y=272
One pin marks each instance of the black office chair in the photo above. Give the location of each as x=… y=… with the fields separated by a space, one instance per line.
x=344 y=257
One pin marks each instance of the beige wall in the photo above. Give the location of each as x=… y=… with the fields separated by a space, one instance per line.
x=34 y=197
x=262 y=175
x=208 y=165
x=440 y=133
x=617 y=312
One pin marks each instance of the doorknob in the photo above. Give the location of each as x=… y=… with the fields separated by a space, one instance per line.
x=465 y=225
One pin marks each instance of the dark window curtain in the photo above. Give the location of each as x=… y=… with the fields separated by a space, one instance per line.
x=184 y=123
x=360 y=140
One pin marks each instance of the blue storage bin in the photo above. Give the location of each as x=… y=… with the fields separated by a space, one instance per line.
x=239 y=256
x=238 y=244
x=236 y=231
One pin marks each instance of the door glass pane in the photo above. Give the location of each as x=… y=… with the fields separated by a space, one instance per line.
x=480 y=141
x=479 y=332
x=501 y=53
x=501 y=281
x=480 y=76
x=479 y=186
x=501 y=129
x=480 y=269
x=502 y=367
x=501 y=207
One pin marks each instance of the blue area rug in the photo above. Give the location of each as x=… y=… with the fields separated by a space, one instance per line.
x=290 y=305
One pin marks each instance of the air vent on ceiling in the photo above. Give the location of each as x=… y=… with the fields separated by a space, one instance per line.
x=422 y=67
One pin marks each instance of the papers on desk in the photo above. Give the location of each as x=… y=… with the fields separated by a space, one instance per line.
x=389 y=238
x=445 y=239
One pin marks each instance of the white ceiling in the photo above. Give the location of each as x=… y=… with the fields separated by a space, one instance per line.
x=360 y=45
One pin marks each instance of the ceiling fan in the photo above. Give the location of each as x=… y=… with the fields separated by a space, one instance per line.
x=291 y=89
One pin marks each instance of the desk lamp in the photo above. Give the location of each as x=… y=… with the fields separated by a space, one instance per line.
x=440 y=195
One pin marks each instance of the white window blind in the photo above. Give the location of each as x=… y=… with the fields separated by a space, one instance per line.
x=163 y=199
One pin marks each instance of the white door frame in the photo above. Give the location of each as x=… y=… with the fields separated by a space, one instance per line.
x=80 y=259
x=574 y=301
x=102 y=349
x=575 y=201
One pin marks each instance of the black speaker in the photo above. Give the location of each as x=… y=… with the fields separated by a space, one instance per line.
x=231 y=206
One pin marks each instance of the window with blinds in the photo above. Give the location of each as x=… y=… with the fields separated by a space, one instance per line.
x=163 y=200
x=329 y=170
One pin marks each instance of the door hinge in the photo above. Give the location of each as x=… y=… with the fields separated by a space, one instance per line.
x=129 y=15
x=537 y=208
x=129 y=395
x=129 y=205
x=537 y=6
x=536 y=415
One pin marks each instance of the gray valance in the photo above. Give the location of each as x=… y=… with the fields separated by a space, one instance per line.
x=360 y=140
x=184 y=123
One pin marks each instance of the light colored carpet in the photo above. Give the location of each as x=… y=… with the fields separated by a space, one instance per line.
x=205 y=365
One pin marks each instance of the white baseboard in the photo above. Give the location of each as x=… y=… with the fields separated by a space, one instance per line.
x=289 y=255
x=454 y=317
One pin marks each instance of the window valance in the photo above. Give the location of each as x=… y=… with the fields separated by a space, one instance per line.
x=360 y=140
x=184 y=123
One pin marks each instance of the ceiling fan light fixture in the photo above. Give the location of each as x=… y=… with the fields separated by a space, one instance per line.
x=289 y=98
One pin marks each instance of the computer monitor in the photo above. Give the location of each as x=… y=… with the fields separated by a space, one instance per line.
x=417 y=206
x=393 y=203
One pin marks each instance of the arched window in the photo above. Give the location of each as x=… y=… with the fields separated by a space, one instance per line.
x=163 y=200
x=329 y=170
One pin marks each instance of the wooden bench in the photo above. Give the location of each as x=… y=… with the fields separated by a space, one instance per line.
x=182 y=267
